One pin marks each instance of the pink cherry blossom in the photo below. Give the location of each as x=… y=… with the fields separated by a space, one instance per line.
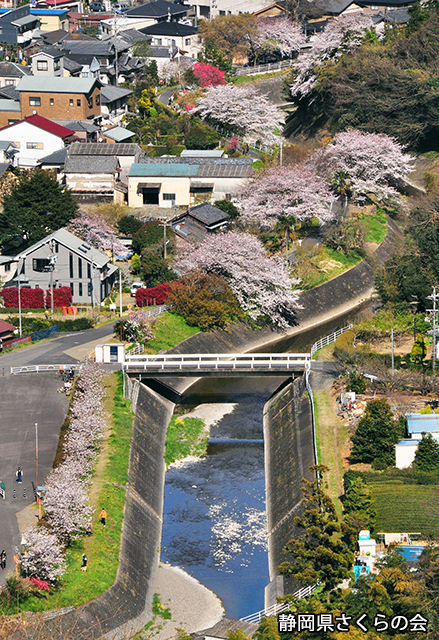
x=44 y=558
x=278 y=34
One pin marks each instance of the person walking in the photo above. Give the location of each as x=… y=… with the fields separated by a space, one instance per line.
x=19 y=475
x=3 y=559
x=84 y=562
x=2 y=490
x=103 y=517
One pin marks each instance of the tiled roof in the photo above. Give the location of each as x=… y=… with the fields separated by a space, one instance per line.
x=49 y=51
x=110 y=93
x=5 y=326
x=133 y=35
x=91 y=164
x=225 y=171
x=52 y=37
x=95 y=47
x=156 y=9
x=197 y=160
x=71 y=65
x=58 y=157
x=104 y=149
x=46 y=84
x=208 y=214
x=169 y=29
x=45 y=124
x=10 y=93
x=13 y=70
x=79 y=125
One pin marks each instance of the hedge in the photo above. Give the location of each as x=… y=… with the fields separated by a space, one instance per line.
x=36 y=298
x=62 y=297
x=159 y=294
x=77 y=324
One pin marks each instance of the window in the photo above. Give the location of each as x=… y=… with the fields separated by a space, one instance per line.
x=34 y=145
x=10 y=83
x=52 y=102
x=80 y=289
x=57 y=65
x=71 y=102
x=72 y=288
x=187 y=41
x=71 y=265
x=88 y=271
x=173 y=42
x=169 y=196
x=8 y=266
x=79 y=268
x=34 y=102
x=56 y=247
x=78 y=103
x=157 y=41
x=40 y=264
x=89 y=289
x=90 y=102
x=228 y=197
x=42 y=65
x=84 y=74
x=222 y=13
x=98 y=99
x=13 y=122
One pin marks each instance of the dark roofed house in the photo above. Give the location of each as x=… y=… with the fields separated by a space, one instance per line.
x=11 y=73
x=198 y=221
x=114 y=100
x=6 y=332
x=175 y=34
x=55 y=160
x=159 y=10
x=54 y=37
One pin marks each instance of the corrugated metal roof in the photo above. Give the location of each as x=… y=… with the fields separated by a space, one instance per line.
x=196 y=160
x=104 y=149
x=46 y=84
x=225 y=171
x=10 y=105
x=167 y=170
x=207 y=153
x=118 y=134
x=421 y=422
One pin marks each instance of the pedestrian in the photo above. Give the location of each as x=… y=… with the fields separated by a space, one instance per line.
x=103 y=517
x=84 y=562
x=19 y=475
x=3 y=559
x=2 y=490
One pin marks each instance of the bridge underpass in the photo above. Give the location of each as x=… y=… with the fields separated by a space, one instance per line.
x=217 y=365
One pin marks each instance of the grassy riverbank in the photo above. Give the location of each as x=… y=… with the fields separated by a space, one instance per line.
x=169 y=330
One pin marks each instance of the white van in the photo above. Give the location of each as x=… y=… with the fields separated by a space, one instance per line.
x=135 y=287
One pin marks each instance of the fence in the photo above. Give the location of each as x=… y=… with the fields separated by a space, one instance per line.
x=278 y=608
x=45 y=333
x=263 y=68
x=42 y=368
x=323 y=342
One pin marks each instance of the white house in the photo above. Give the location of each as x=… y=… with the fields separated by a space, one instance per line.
x=175 y=34
x=417 y=424
x=34 y=138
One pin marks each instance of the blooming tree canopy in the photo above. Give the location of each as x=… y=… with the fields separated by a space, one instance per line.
x=260 y=282
x=371 y=161
x=241 y=109
x=290 y=191
x=94 y=230
x=45 y=555
x=208 y=75
x=339 y=36
x=278 y=34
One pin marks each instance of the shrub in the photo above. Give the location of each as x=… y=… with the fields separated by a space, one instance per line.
x=151 y=234
x=129 y=225
x=356 y=383
x=159 y=294
x=76 y=324
x=62 y=297
x=30 y=298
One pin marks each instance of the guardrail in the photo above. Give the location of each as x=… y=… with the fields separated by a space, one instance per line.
x=267 y=361
x=278 y=608
x=41 y=368
x=263 y=68
x=332 y=337
x=158 y=310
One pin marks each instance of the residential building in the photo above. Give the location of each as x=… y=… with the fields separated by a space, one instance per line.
x=74 y=98
x=70 y=5
x=35 y=137
x=116 y=134
x=10 y=112
x=213 y=8
x=88 y=272
x=100 y=57
x=8 y=151
x=51 y=19
x=417 y=424
x=197 y=222
x=114 y=101
x=145 y=15
x=168 y=182
x=48 y=62
x=18 y=26
x=55 y=162
x=174 y=34
x=11 y=73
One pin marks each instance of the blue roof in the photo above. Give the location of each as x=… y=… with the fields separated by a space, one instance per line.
x=48 y=12
x=163 y=170
x=412 y=442
x=423 y=422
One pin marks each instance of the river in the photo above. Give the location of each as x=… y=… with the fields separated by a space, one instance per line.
x=214 y=523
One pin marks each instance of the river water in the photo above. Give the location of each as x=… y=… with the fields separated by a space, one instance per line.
x=214 y=523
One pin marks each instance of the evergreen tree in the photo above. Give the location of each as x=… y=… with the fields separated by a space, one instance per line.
x=319 y=554
x=358 y=498
x=419 y=350
x=427 y=454
x=376 y=435
x=36 y=206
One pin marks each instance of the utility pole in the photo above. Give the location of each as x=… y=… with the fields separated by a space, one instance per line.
x=120 y=292
x=393 y=355
x=19 y=298
x=36 y=460
x=434 y=311
x=164 y=240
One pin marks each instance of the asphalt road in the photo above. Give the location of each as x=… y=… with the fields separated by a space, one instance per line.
x=27 y=399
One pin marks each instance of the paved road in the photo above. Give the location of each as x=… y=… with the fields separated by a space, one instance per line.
x=24 y=400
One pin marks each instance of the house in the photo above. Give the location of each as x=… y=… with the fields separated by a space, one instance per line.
x=74 y=98
x=85 y=131
x=8 y=151
x=417 y=424
x=117 y=134
x=54 y=161
x=214 y=8
x=35 y=137
x=48 y=63
x=168 y=182
x=197 y=222
x=6 y=331
x=11 y=73
x=70 y=5
x=104 y=51
x=114 y=101
x=88 y=272
x=145 y=15
x=272 y=10
x=10 y=112
x=174 y=34
x=18 y=26
x=51 y=19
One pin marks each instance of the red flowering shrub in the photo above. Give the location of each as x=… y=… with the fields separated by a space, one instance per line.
x=208 y=75
x=232 y=144
x=30 y=298
x=62 y=297
x=160 y=293
x=42 y=585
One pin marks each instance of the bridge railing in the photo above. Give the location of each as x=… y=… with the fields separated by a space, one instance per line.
x=332 y=337
x=278 y=608
x=41 y=368
x=217 y=361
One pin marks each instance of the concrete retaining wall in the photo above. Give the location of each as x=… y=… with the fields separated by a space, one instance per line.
x=289 y=453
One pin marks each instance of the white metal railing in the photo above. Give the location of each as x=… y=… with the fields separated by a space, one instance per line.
x=41 y=368
x=157 y=310
x=137 y=350
x=332 y=337
x=278 y=608
x=268 y=361
x=262 y=68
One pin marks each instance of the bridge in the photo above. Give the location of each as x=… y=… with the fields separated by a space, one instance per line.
x=217 y=365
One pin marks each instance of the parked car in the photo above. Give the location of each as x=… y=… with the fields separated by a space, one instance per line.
x=135 y=287
x=120 y=8
x=95 y=7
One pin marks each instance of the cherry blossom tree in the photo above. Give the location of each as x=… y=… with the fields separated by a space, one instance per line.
x=278 y=34
x=260 y=282
x=94 y=230
x=290 y=191
x=208 y=75
x=240 y=109
x=369 y=162
x=45 y=555
x=339 y=37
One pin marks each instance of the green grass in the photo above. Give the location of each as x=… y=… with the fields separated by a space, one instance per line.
x=102 y=547
x=312 y=276
x=169 y=331
x=184 y=438
x=374 y=227
x=406 y=508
